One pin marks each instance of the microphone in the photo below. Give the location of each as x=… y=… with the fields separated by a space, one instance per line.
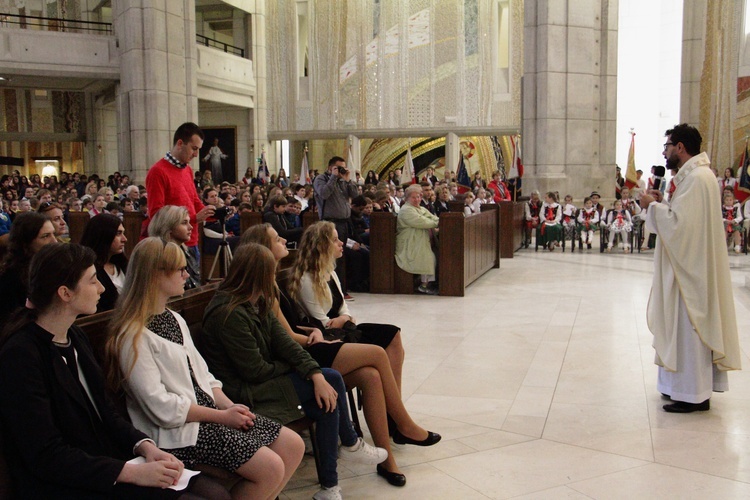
x=659 y=173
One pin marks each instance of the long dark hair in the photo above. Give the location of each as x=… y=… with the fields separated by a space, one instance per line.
x=98 y=236
x=55 y=265
x=25 y=228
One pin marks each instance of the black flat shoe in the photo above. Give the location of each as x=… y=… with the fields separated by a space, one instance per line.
x=683 y=407
x=393 y=478
x=432 y=438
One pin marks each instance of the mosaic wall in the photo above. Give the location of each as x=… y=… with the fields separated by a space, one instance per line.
x=391 y=65
x=57 y=112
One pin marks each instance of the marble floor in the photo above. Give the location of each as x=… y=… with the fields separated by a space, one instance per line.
x=541 y=381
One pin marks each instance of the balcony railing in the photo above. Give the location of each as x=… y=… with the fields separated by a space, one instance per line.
x=53 y=24
x=210 y=42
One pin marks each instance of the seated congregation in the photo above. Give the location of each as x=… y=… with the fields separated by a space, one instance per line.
x=274 y=347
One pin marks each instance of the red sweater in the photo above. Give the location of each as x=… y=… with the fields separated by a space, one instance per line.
x=496 y=188
x=169 y=185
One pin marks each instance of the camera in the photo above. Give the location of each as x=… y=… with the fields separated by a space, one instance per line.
x=343 y=171
x=221 y=214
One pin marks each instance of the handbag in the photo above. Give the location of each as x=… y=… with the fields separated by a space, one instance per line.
x=348 y=333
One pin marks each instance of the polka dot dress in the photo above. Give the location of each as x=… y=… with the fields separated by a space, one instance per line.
x=217 y=444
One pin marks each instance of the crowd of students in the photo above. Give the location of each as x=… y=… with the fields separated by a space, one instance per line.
x=278 y=347
x=555 y=222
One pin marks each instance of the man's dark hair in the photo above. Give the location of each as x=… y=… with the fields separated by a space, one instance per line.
x=688 y=136
x=186 y=131
x=359 y=201
x=335 y=160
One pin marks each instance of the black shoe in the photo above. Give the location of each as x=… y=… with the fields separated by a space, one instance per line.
x=393 y=478
x=683 y=407
x=432 y=438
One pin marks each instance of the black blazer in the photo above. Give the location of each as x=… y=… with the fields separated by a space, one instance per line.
x=57 y=445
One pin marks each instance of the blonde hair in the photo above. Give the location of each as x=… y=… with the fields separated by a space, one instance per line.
x=152 y=258
x=165 y=220
x=316 y=256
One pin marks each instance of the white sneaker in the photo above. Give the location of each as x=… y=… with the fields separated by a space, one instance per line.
x=332 y=493
x=737 y=249
x=363 y=453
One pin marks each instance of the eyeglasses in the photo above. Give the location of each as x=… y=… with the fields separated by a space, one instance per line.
x=667 y=144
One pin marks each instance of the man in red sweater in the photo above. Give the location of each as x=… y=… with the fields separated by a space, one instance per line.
x=170 y=180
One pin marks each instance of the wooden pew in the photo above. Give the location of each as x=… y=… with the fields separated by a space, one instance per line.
x=132 y=222
x=510 y=232
x=249 y=219
x=77 y=222
x=468 y=249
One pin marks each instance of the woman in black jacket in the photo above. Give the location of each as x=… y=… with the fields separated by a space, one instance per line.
x=105 y=235
x=64 y=435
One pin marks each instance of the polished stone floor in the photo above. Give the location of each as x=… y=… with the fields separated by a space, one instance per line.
x=541 y=381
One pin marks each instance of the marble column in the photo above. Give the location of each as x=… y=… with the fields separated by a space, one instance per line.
x=158 y=83
x=570 y=96
x=259 y=114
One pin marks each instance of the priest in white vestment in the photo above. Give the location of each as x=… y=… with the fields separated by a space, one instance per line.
x=691 y=308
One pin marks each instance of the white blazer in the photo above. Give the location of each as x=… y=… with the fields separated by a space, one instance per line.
x=159 y=388
x=310 y=305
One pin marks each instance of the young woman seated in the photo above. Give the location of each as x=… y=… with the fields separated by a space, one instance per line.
x=105 y=235
x=172 y=223
x=28 y=234
x=173 y=397
x=262 y=366
x=362 y=365
x=64 y=434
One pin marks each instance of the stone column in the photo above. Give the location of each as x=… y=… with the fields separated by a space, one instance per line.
x=693 y=52
x=570 y=96
x=158 y=82
x=258 y=33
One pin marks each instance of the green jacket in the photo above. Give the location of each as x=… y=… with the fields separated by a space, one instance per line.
x=252 y=356
x=413 y=252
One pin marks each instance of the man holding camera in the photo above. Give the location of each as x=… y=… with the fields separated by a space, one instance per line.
x=333 y=190
x=691 y=309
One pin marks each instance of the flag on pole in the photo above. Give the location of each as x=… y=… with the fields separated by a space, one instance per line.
x=462 y=176
x=742 y=188
x=631 y=177
x=408 y=172
x=516 y=167
x=304 y=170
x=263 y=168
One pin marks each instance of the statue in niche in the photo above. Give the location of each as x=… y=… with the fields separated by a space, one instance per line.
x=214 y=157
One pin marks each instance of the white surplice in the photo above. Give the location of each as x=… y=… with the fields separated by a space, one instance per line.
x=691 y=308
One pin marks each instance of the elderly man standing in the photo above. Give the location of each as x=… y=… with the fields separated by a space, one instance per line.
x=413 y=251
x=691 y=309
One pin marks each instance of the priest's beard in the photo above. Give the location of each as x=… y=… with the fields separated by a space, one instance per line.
x=672 y=163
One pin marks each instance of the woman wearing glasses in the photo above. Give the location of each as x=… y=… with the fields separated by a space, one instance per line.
x=172 y=396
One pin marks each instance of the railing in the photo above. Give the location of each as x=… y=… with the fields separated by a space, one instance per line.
x=210 y=42
x=53 y=24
